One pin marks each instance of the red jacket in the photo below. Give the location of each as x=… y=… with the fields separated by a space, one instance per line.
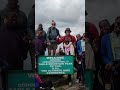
x=62 y=39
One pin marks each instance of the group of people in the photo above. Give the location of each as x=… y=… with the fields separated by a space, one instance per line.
x=52 y=39
x=102 y=55
x=99 y=59
x=98 y=65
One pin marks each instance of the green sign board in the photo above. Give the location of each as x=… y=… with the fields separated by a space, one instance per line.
x=55 y=65
x=20 y=80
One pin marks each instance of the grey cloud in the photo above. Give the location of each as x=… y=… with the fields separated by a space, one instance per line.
x=66 y=13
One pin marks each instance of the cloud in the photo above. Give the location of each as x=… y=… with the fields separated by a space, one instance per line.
x=66 y=13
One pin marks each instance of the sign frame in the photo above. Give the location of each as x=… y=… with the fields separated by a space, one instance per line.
x=56 y=56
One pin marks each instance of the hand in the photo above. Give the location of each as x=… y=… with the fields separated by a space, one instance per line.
x=80 y=54
x=58 y=37
x=49 y=43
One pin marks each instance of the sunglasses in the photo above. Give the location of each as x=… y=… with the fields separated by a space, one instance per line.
x=54 y=24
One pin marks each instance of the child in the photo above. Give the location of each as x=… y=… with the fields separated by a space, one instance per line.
x=89 y=63
x=68 y=47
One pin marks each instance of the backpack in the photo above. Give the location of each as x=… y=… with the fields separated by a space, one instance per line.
x=50 y=35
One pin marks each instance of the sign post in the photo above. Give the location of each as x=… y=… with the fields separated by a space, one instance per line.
x=50 y=65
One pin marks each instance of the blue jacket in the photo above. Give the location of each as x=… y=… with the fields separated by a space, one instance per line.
x=79 y=47
x=106 y=49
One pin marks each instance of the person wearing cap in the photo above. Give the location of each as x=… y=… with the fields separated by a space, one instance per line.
x=52 y=34
x=67 y=38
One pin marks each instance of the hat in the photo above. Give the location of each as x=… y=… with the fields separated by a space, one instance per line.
x=67 y=29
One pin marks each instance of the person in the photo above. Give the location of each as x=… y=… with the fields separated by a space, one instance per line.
x=110 y=44
x=40 y=44
x=38 y=81
x=69 y=38
x=105 y=27
x=13 y=31
x=52 y=34
x=79 y=59
x=68 y=47
x=89 y=63
x=78 y=44
x=94 y=41
x=40 y=27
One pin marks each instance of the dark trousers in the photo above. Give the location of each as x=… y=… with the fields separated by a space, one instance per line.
x=116 y=76
x=69 y=78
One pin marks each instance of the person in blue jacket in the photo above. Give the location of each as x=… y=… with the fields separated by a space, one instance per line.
x=79 y=47
x=110 y=51
x=79 y=59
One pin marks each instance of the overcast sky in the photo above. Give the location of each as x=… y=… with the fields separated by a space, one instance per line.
x=66 y=13
x=102 y=9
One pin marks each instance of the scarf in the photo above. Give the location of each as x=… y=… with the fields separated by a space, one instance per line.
x=69 y=48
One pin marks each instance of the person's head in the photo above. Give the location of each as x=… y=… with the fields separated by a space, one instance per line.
x=40 y=26
x=86 y=37
x=53 y=24
x=78 y=36
x=67 y=31
x=39 y=33
x=104 y=26
x=117 y=25
x=12 y=4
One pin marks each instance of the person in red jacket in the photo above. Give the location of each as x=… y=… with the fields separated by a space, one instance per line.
x=66 y=37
